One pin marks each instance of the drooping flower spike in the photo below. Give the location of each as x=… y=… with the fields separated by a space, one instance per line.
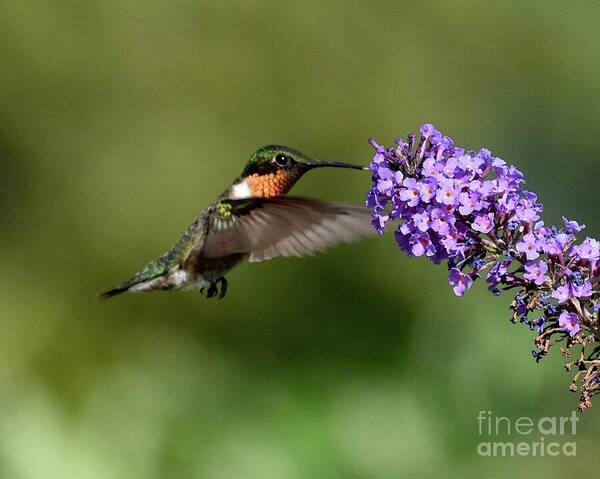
x=470 y=210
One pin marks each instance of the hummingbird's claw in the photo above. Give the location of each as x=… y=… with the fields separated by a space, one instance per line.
x=224 y=285
x=212 y=290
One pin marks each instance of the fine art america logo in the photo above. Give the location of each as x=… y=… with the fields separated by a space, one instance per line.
x=525 y=436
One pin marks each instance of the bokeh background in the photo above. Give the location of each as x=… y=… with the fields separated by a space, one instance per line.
x=120 y=121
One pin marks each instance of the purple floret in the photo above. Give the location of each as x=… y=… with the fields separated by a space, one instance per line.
x=569 y=322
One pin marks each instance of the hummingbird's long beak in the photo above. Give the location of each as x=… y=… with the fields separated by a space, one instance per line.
x=334 y=164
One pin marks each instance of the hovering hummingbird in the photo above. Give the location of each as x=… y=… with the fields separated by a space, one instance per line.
x=254 y=220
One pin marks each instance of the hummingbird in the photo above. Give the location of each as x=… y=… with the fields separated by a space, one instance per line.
x=253 y=220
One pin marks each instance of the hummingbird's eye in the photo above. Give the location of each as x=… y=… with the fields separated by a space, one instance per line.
x=282 y=160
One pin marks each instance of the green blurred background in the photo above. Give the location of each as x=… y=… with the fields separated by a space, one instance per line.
x=120 y=121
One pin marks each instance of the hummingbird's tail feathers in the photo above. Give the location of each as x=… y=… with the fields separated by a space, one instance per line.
x=150 y=278
x=136 y=284
x=110 y=293
x=122 y=288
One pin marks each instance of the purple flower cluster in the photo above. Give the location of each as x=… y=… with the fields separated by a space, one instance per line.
x=470 y=209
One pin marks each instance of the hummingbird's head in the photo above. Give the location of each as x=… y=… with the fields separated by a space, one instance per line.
x=272 y=171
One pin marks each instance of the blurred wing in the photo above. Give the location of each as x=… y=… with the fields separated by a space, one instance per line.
x=283 y=226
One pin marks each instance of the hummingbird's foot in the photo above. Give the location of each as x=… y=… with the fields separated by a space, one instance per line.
x=213 y=288
x=224 y=285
